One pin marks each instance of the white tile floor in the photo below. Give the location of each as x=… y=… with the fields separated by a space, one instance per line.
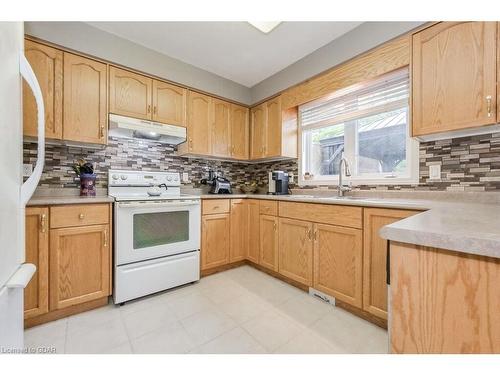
x=238 y=311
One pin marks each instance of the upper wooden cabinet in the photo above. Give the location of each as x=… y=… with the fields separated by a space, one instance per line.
x=239 y=132
x=36 y=294
x=130 y=93
x=85 y=100
x=169 y=103
x=221 y=129
x=47 y=63
x=199 y=125
x=454 y=77
x=273 y=131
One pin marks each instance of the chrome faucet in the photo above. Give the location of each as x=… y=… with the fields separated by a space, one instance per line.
x=342 y=189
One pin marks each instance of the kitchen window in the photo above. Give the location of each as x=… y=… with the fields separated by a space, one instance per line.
x=368 y=124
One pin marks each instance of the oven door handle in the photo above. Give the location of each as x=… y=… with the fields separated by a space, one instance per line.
x=172 y=204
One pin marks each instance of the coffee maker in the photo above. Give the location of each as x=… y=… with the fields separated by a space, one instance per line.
x=278 y=183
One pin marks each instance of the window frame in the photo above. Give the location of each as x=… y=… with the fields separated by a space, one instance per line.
x=412 y=152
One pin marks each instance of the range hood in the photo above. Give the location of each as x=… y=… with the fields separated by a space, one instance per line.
x=128 y=127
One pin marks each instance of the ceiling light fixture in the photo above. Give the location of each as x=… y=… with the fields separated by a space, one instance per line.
x=264 y=26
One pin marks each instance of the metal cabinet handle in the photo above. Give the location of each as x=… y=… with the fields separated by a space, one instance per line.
x=155 y=110
x=43 y=221
x=274 y=226
x=81 y=216
x=190 y=141
x=149 y=108
x=315 y=235
x=488 y=105
x=101 y=132
x=105 y=238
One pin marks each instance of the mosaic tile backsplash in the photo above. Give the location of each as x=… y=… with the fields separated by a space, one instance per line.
x=467 y=164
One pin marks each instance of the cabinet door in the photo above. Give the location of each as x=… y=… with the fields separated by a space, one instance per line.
x=79 y=265
x=375 y=258
x=221 y=128
x=257 y=132
x=200 y=114
x=454 y=77
x=269 y=242
x=85 y=93
x=338 y=262
x=169 y=103
x=253 y=253
x=215 y=241
x=296 y=250
x=47 y=63
x=130 y=93
x=36 y=294
x=238 y=230
x=239 y=132
x=272 y=146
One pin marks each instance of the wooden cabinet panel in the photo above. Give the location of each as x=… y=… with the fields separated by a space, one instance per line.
x=79 y=265
x=200 y=113
x=253 y=231
x=215 y=206
x=454 y=77
x=130 y=94
x=296 y=250
x=221 y=129
x=268 y=207
x=215 y=240
x=347 y=216
x=272 y=146
x=36 y=294
x=269 y=242
x=169 y=103
x=257 y=132
x=239 y=230
x=239 y=132
x=338 y=262
x=47 y=63
x=443 y=301
x=375 y=258
x=85 y=100
x=75 y=215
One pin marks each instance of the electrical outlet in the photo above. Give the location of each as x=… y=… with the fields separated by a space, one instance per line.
x=290 y=178
x=435 y=172
x=185 y=177
x=27 y=170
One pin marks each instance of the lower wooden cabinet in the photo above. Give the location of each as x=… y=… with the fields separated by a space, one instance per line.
x=36 y=294
x=253 y=252
x=269 y=243
x=338 y=262
x=296 y=250
x=375 y=258
x=238 y=230
x=215 y=240
x=79 y=265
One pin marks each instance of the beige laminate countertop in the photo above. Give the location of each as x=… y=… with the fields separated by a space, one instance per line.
x=55 y=200
x=464 y=227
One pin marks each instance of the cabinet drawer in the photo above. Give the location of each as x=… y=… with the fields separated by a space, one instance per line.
x=215 y=206
x=345 y=216
x=268 y=208
x=78 y=215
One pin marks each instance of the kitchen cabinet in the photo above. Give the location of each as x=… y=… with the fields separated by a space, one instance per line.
x=272 y=145
x=169 y=103
x=130 y=94
x=221 y=129
x=199 y=125
x=79 y=265
x=296 y=250
x=36 y=294
x=269 y=243
x=375 y=258
x=253 y=253
x=257 y=132
x=238 y=230
x=338 y=262
x=215 y=240
x=47 y=64
x=454 y=77
x=239 y=132
x=85 y=100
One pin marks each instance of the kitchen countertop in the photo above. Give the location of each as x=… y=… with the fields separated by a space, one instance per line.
x=472 y=228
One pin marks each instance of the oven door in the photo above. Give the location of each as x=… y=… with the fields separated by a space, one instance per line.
x=153 y=229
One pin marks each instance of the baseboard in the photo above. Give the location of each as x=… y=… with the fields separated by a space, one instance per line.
x=224 y=267
x=362 y=314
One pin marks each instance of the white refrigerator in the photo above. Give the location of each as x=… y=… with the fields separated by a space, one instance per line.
x=14 y=272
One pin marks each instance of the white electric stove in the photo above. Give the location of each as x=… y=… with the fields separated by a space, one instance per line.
x=156 y=233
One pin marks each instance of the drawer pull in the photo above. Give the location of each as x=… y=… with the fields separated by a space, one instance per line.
x=216 y=207
x=488 y=105
x=81 y=216
x=43 y=222
x=105 y=238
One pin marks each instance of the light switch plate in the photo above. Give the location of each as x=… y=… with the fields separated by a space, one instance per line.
x=435 y=172
x=27 y=170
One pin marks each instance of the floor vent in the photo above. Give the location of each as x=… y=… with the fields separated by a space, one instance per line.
x=322 y=296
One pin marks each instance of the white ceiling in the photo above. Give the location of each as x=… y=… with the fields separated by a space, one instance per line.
x=233 y=50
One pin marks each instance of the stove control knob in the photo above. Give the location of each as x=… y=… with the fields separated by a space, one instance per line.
x=169 y=178
x=123 y=176
x=176 y=178
x=115 y=177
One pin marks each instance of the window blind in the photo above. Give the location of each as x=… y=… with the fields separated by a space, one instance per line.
x=384 y=94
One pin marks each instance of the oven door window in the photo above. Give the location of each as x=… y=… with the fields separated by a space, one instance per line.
x=160 y=228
